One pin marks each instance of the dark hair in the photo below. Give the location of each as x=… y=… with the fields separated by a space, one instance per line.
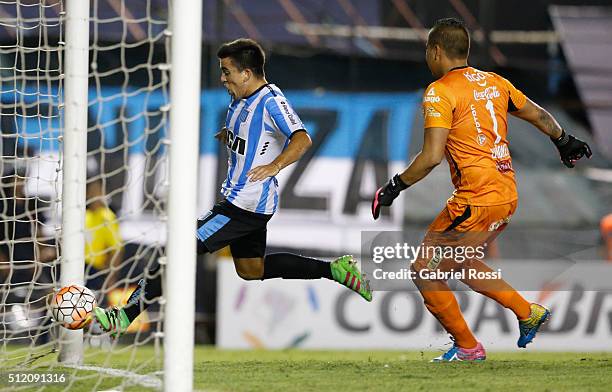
x=245 y=53
x=15 y=172
x=452 y=36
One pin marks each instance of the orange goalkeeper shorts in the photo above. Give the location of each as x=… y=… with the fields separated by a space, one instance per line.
x=463 y=226
x=466 y=218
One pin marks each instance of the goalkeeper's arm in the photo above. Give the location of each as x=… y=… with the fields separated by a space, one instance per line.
x=434 y=144
x=570 y=148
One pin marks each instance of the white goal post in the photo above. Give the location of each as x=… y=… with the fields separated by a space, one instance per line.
x=74 y=164
x=100 y=121
x=186 y=27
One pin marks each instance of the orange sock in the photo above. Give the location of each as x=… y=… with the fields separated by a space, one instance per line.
x=500 y=291
x=511 y=300
x=444 y=306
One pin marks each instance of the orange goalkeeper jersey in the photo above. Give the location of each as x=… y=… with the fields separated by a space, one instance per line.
x=473 y=105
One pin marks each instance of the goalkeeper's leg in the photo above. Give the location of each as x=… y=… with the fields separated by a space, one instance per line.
x=531 y=316
x=498 y=290
x=441 y=302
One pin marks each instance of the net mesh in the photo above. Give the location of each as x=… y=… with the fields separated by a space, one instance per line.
x=126 y=182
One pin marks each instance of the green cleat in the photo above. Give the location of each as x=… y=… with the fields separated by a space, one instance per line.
x=345 y=271
x=113 y=320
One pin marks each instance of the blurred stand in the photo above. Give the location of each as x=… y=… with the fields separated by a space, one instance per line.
x=321 y=47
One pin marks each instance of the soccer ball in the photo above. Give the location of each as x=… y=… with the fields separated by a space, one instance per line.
x=72 y=306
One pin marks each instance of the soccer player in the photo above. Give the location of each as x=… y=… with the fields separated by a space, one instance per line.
x=263 y=135
x=465 y=121
x=103 y=242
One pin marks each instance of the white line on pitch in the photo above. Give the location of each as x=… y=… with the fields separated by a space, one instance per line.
x=135 y=378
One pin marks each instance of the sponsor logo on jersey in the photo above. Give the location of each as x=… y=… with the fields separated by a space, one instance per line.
x=433 y=263
x=235 y=143
x=478 y=78
x=500 y=151
x=475 y=117
x=289 y=113
x=496 y=225
x=504 y=166
x=431 y=96
x=431 y=112
x=487 y=93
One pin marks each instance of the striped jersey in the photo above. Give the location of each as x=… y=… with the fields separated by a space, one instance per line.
x=259 y=128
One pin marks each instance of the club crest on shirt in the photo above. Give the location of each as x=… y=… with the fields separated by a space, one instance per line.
x=244 y=114
x=482 y=139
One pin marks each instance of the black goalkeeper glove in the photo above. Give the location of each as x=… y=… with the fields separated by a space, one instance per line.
x=384 y=196
x=571 y=149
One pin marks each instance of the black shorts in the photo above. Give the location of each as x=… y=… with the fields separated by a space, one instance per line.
x=226 y=224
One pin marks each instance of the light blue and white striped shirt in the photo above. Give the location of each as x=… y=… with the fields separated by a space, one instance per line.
x=259 y=128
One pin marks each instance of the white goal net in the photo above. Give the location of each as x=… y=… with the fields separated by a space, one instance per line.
x=127 y=182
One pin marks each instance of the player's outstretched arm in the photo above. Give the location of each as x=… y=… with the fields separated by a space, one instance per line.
x=430 y=156
x=299 y=143
x=570 y=148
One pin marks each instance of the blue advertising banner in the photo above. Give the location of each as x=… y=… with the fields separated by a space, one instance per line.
x=359 y=141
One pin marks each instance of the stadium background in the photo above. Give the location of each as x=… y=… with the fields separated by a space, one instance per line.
x=556 y=55
x=357 y=86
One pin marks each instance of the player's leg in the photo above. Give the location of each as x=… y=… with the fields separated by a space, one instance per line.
x=531 y=316
x=442 y=304
x=479 y=234
x=281 y=265
x=249 y=268
x=438 y=298
x=115 y=319
x=251 y=264
x=343 y=270
x=215 y=230
x=498 y=290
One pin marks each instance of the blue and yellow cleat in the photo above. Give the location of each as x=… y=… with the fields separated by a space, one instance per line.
x=457 y=353
x=530 y=326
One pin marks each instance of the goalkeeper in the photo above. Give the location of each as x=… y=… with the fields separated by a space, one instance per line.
x=263 y=135
x=465 y=116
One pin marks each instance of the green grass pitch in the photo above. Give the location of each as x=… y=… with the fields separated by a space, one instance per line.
x=217 y=370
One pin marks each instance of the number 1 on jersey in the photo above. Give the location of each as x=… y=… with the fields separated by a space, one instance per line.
x=491 y=109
